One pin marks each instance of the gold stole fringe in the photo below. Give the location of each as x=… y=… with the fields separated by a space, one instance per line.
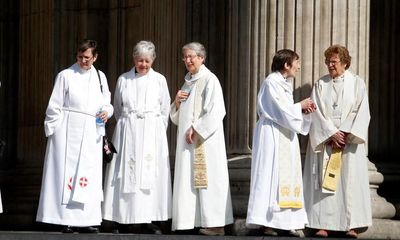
x=332 y=171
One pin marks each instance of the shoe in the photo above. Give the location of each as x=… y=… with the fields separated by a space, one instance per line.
x=270 y=232
x=154 y=229
x=290 y=233
x=67 y=229
x=88 y=230
x=352 y=234
x=214 y=231
x=321 y=233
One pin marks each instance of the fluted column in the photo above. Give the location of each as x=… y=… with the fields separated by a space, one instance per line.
x=34 y=87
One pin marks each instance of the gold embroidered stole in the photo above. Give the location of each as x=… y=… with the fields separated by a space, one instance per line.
x=290 y=182
x=332 y=171
x=290 y=186
x=199 y=162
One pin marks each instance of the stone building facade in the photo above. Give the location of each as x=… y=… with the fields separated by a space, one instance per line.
x=38 y=39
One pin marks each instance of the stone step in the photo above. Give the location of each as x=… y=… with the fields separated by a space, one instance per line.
x=106 y=236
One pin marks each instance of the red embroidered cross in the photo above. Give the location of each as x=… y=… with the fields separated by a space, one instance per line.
x=70 y=184
x=83 y=182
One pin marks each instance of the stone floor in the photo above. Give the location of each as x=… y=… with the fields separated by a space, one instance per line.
x=107 y=236
x=381 y=229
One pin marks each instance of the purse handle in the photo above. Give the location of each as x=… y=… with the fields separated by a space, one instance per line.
x=101 y=85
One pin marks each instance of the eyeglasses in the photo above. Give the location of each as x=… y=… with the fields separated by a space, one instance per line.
x=327 y=62
x=191 y=57
x=84 y=58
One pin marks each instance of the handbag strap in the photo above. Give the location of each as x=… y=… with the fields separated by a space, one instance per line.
x=101 y=85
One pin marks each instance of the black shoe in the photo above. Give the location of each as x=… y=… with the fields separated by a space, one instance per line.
x=67 y=229
x=290 y=233
x=154 y=229
x=89 y=230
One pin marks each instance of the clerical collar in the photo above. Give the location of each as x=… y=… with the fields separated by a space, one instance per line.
x=82 y=70
x=194 y=77
x=338 y=79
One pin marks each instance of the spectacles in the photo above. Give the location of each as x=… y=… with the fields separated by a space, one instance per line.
x=85 y=58
x=191 y=57
x=327 y=62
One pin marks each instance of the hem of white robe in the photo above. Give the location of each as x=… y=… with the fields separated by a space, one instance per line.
x=274 y=224
x=186 y=226
x=339 y=228
x=70 y=222
x=136 y=221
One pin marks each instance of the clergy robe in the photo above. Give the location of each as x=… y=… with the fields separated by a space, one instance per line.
x=339 y=109
x=210 y=206
x=71 y=192
x=138 y=179
x=277 y=113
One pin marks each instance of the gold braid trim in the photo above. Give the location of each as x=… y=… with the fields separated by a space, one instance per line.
x=200 y=166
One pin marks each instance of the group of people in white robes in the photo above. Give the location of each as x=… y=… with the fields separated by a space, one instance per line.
x=333 y=196
x=137 y=186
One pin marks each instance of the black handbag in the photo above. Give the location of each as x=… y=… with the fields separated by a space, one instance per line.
x=108 y=146
x=108 y=149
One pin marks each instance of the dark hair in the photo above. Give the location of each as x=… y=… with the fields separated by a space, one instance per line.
x=86 y=44
x=281 y=57
x=343 y=53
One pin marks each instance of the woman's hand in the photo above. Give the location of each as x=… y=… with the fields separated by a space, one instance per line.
x=190 y=135
x=338 y=140
x=308 y=106
x=181 y=96
x=103 y=116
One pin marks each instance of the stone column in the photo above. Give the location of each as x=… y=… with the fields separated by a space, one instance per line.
x=35 y=78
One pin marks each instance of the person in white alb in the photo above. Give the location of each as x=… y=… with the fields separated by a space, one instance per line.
x=276 y=188
x=71 y=192
x=201 y=183
x=138 y=180
x=336 y=182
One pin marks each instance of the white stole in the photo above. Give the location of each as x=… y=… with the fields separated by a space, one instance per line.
x=145 y=176
x=78 y=170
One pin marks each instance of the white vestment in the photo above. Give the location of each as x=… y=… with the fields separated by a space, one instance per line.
x=211 y=206
x=342 y=105
x=277 y=113
x=138 y=179
x=71 y=192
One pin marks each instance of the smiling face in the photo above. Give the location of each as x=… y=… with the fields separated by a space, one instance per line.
x=143 y=64
x=192 y=61
x=335 y=66
x=86 y=59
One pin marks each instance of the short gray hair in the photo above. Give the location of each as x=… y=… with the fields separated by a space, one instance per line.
x=197 y=47
x=144 y=48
